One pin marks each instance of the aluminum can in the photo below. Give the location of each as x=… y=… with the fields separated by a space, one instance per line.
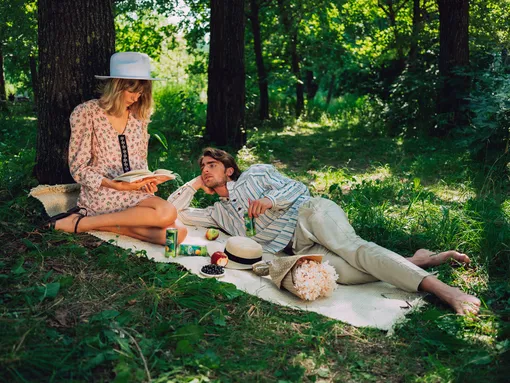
x=171 y=243
x=192 y=250
x=249 y=224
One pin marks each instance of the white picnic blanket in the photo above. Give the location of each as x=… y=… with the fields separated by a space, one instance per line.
x=377 y=304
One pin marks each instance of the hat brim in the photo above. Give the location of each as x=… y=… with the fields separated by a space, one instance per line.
x=238 y=266
x=129 y=78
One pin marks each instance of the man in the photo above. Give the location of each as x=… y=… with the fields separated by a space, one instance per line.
x=287 y=218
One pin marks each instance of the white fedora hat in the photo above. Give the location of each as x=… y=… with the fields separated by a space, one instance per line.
x=242 y=253
x=130 y=65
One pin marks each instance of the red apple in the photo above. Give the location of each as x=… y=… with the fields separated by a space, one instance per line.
x=212 y=233
x=219 y=258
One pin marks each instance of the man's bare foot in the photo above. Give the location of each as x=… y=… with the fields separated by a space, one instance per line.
x=425 y=258
x=67 y=224
x=463 y=303
x=459 y=301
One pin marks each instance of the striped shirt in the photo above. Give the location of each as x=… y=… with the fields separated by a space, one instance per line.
x=274 y=228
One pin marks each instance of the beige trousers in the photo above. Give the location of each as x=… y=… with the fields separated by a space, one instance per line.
x=323 y=228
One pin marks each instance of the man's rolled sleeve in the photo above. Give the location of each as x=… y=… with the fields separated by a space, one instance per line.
x=181 y=199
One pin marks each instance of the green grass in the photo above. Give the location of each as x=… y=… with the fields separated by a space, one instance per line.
x=76 y=309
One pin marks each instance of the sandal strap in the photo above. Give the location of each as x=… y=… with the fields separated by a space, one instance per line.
x=80 y=217
x=82 y=211
x=56 y=217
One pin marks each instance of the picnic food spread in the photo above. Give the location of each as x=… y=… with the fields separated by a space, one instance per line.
x=212 y=271
x=219 y=258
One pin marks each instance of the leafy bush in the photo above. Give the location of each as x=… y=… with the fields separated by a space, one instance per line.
x=179 y=115
x=489 y=133
x=411 y=106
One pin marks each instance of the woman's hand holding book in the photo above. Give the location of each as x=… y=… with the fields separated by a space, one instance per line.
x=131 y=186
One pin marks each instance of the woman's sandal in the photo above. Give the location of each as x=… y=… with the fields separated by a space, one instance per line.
x=50 y=223
x=81 y=216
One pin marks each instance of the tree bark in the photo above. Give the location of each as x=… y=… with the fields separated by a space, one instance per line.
x=330 y=90
x=3 y=95
x=33 y=75
x=391 y=12
x=259 y=60
x=417 y=26
x=300 y=99
x=311 y=86
x=292 y=33
x=76 y=40
x=226 y=75
x=453 y=55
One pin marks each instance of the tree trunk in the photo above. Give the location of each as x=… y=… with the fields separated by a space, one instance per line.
x=300 y=99
x=33 y=75
x=76 y=40
x=292 y=33
x=226 y=75
x=311 y=86
x=453 y=55
x=3 y=95
x=417 y=26
x=259 y=60
x=391 y=12
x=330 y=90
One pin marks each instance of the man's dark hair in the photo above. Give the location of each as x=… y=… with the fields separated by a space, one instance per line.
x=222 y=156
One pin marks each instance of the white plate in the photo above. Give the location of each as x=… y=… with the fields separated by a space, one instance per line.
x=212 y=275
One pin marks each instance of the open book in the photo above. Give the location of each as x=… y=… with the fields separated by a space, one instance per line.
x=161 y=175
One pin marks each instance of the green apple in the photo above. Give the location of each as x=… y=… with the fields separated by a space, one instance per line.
x=212 y=233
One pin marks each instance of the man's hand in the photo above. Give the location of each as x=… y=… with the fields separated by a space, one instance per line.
x=259 y=206
x=198 y=183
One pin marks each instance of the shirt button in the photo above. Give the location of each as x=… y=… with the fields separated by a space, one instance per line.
x=238 y=208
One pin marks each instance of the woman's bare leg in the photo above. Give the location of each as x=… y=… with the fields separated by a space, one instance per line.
x=148 y=234
x=152 y=212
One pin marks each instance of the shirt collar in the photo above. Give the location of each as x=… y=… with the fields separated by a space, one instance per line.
x=230 y=187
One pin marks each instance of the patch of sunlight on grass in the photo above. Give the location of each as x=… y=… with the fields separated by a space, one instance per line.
x=247 y=157
x=459 y=192
x=481 y=331
x=295 y=130
x=310 y=125
x=469 y=280
x=441 y=374
x=29 y=118
x=328 y=176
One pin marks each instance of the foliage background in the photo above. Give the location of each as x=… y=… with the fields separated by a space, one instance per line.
x=75 y=309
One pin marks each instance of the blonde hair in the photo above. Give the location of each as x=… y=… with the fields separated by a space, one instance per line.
x=112 y=98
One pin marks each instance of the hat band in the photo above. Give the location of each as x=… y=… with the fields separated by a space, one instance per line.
x=129 y=70
x=243 y=261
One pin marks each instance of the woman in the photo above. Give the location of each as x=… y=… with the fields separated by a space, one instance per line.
x=108 y=138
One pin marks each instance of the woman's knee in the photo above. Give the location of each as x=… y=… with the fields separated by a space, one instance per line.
x=182 y=232
x=166 y=214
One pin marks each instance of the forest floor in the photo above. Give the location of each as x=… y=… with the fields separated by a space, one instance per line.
x=76 y=309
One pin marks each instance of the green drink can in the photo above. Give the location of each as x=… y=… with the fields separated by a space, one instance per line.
x=171 y=243
x=192 y=250
x=249 y=224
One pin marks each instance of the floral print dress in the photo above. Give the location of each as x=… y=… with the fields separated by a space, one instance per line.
x=97 y=150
